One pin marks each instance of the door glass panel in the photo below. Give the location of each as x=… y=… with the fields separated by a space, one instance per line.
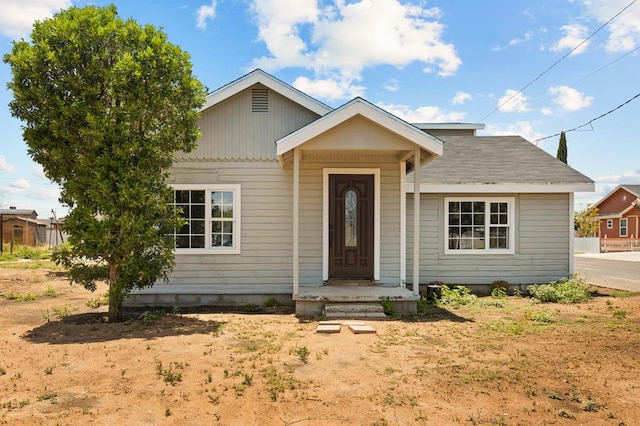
x=350 y=218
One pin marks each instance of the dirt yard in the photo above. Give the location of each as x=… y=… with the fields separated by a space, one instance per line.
x=516 y=364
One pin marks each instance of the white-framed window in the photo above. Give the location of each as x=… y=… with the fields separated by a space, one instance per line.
x=609 y=223
x=213 y=216
x=623 y=227
x=479 y=225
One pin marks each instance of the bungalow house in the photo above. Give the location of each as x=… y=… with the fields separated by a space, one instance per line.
x=619 y=214
x=288 y=198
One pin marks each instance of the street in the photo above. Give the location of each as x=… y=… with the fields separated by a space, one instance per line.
x=619 y=271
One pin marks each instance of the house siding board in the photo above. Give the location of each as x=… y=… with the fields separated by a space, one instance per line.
x=266 y=241
x=232 y=132
x=541 y=243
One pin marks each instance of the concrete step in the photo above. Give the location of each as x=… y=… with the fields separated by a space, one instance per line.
x=354 y=310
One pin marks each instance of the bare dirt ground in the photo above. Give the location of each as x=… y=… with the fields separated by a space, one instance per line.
x=519 y=364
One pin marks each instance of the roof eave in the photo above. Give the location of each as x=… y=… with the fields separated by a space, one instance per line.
x=521 y=188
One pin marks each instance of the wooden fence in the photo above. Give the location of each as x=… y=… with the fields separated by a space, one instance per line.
x=608 y=245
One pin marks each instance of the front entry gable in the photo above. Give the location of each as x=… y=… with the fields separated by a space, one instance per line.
x=358 y=127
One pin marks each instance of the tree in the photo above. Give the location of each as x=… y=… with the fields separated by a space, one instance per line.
x=585 y=222
x=562 y=148
x=105 y=103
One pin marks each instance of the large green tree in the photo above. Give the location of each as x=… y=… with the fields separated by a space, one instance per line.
x=105 y=102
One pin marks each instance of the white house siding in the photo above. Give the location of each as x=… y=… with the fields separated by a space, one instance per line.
x=311 y=177
x=264 y=264
x=232 y=132
x=541 y=243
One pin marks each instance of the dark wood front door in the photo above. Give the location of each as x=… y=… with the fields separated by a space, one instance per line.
x=351 y=210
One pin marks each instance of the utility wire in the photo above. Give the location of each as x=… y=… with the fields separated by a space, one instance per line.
x=590 y=121
x=605 y=66
x=557 y=62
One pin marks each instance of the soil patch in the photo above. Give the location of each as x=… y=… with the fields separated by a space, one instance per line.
x=497 y=362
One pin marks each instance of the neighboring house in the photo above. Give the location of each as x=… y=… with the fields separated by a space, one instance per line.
x=288 y=198
x=619 y=213
x=21 y=226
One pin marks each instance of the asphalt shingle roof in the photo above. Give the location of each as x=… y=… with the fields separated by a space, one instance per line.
x=497 y=160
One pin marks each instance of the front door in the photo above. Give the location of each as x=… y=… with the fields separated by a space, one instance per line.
x=351 y=226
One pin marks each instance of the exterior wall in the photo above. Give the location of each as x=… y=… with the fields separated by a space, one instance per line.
x=230 y=131
x=311 y=214
x=541 y=243
x=28 y=234
x=633 y=226
x=617 y=202
x=264 y=263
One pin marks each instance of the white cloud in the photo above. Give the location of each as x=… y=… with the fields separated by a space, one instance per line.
x=624 y=31
x=423 y=114
x=205 y=13
x=5 y=166
x=345 y=37
x=20 y=183
x=460 y=98
x=574 y=35
x=522 y=128
x=514 y=42
x=17 y=16
x=631 y=176
x=569 y=99
x=513 y=101
x=332 y=89
x=392 y=85
x=39 y=171
x=546 y=111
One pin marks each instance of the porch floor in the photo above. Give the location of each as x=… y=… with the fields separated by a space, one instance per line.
x=353 y=293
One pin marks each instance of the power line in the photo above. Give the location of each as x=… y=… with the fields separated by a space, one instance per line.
x=590 y=121
x=606 y=65
x=556 y=62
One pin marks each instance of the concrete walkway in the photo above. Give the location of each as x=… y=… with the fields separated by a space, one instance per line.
x=620 y=271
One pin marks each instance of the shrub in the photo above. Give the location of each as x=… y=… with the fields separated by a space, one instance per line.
x=501 y=284
x=459 y=295
x=568 y=290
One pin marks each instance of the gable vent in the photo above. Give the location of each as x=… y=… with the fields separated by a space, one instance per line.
x=260 y=99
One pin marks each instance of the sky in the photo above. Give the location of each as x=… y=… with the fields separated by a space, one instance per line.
x=529 y=67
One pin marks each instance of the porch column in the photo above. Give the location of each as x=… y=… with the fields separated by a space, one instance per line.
x=416 y=222
x=296 y=220
x=572 y=233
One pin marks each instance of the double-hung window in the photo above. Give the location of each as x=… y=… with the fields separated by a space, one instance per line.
x=212 y=215
x=623 y=227
x=479 y=225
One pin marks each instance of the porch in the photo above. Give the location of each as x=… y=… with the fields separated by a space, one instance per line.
x=310 y=300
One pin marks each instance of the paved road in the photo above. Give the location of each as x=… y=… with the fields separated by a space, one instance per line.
x=612 y=270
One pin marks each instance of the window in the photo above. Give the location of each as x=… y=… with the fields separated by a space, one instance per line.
x=623 y=227
x=213 y=219
x=609 y=223
x=479 y=225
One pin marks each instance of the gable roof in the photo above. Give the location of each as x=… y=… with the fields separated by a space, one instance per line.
x=632 y=189
x=363 y=108
x=499 y=164
x=258 y=76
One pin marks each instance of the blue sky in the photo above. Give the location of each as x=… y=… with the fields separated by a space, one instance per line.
x=425 y=61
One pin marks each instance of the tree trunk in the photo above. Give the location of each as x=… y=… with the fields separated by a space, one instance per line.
x=115 y=295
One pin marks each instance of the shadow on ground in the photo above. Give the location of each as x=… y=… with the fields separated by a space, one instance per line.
x=92 y=327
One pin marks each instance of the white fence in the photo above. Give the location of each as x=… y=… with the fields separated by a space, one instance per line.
x=586 y=244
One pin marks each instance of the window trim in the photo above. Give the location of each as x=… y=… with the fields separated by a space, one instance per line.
x=237 y=218
x=487 y=200
x=625 y=227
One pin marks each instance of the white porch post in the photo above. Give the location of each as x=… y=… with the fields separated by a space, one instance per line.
x=403 y=223
x=571 y=235
x=416 y=222
x=296 y=220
